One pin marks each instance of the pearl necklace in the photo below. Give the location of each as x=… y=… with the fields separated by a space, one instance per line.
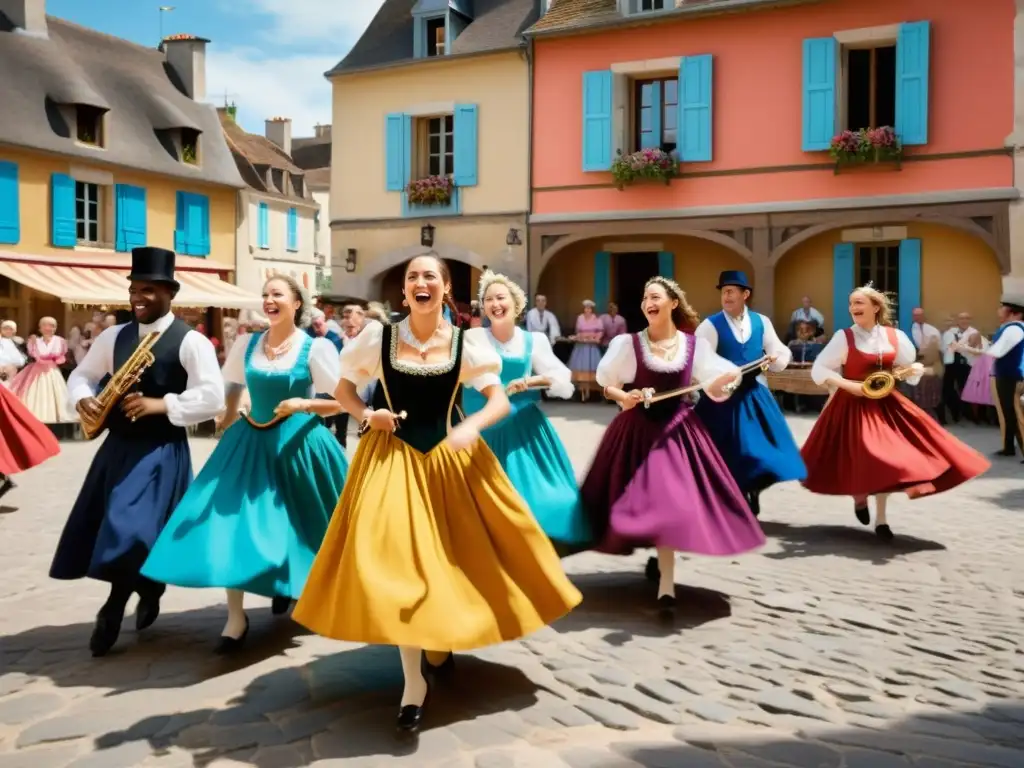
x=667 y=348
x=272 y=353
x=422 y=347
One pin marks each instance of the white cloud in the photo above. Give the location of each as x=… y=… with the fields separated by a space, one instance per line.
x=308 y=21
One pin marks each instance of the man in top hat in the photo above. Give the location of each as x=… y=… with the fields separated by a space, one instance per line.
x=749 y=429
x=1008 y=371
x=144 y=466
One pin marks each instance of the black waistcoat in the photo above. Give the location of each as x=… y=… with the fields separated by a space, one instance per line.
x=167 y=376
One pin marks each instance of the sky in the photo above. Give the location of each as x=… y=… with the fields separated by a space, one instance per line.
x=267 y=56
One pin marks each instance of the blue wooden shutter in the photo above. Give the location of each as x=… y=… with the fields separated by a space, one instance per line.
x=602 y=279
x=819 y=124
x=695 y=130
x=466 y=151
x=180 y=244
x=293 y=229
x=129 y=217
x=667 y=265
x=199 y=226
x=10 y=211
x=650 y=135
x=843 y=267
x=912 y=82
x=910 y=281
x=64 y=225
x=597 y=120
x=262 y=226
x=397 y=149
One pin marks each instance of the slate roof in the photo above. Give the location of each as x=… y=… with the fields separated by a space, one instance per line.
x=263 y=165
x=497 y=25
x=311 y=152
x=579 y=15
x=79 y=66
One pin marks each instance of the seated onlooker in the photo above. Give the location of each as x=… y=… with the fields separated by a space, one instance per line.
x=806 y=314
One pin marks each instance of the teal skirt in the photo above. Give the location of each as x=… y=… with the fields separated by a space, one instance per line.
x=535 y=460
x=255 y=516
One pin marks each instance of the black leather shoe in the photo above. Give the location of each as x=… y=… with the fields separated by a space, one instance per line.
x=106 y=631
x=754 y=500
x=410 y=716
x=863 y=515
x=6 y=485
x=147 y=611
x=443 y=670
x=884 y=532
x=229 y=645
x=666 y=606
x=652 y=572
x=279 y=606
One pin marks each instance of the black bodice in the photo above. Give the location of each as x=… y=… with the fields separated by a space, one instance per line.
x=428 y=394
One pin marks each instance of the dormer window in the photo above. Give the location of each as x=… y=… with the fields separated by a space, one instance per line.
x=652 y=5
x=435 y=36
x=190 y=146
x=645 y=6
x=89 y=125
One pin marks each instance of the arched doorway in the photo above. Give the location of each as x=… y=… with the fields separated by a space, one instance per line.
x=464 y=281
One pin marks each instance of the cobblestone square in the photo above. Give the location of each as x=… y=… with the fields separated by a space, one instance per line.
x=827 y=649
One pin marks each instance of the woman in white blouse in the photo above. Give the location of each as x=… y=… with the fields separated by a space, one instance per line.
x=525 y=443
x=11 y=358
x=658 y=479
x=431 y=547
x=863 y=447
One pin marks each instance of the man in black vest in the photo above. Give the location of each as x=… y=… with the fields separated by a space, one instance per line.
x=144 y=466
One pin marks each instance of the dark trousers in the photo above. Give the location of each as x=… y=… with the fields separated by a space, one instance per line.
x=340 y=427
x=954 y=379
x=1009 y=410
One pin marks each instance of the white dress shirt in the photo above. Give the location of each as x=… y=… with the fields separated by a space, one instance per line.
x=546 y=324
x=542 y=360
x=10 y=354
x=741 y=328
x=203 y=398
x=923 y=334
x=829 y=364
x=1009 y=339
x=956 y=336
x=807 y=316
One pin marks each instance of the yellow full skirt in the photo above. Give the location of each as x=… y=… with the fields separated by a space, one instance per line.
x=435 y=551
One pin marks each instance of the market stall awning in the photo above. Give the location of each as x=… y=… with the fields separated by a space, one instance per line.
x=91 y=286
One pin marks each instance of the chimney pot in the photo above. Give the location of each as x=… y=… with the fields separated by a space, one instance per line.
x=29 y=16
x=279 y=131
x=187 y=55
x=322 y=131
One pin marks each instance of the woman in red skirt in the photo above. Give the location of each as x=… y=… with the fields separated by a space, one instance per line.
x=864 y=447
x=24 y=440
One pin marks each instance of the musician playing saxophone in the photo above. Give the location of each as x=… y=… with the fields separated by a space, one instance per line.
x=143 y=466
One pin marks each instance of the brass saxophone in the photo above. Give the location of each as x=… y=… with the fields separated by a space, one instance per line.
x=881 y=383
x=126 y=377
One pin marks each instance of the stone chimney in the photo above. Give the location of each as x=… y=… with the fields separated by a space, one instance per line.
x=187 y=55
x=279 y=131
x=322 y=131
x=28 y=16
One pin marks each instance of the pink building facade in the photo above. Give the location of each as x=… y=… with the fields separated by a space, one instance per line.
x=747 y=97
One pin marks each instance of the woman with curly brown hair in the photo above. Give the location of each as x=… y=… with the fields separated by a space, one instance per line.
x=658 y=479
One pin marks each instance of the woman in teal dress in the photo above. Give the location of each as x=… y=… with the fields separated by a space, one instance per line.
x=256 y=515
x=525 y=443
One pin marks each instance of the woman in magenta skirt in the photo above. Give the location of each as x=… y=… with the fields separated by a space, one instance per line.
x=657 y=479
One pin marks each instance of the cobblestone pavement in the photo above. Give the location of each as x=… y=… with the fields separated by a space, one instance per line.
x=826 y=649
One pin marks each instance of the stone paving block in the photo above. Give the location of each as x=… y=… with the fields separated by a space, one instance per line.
x=475 y=734
x=796 y=753
x=777 y=701
x=609 y=714
x=42 y=757
x=29 y=706
x=127 y=755
x=928 y=746
x=667 y=754
x=864 y=758
x=589 y=757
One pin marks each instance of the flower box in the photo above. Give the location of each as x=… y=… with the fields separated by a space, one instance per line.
x=645 y=165
x=868 y=146
x=432 y=190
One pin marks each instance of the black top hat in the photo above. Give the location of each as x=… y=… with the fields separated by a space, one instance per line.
x=153 y=265
x=734 y=277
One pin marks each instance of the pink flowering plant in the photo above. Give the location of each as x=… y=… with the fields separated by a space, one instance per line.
x=866 y=145
x=432 y=190
x=645 y=165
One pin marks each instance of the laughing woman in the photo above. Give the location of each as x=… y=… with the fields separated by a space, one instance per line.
x=254 y=518
x=524 y=441
x=431 y=548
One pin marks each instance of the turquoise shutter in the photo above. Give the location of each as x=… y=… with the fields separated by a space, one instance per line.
x=842 y=285
x=64 y=225
x=262 y=226
x=129 y=217
x=650 y=135
x=597 y=120
x=819 y=125
x=10 y=212
x=199 y=226
x=910 y=281
x=466 y=149
x=180 y=242
x=667 y=265
x=397 y=147
x=912 y=82
x=293 y=229
x=602 y=279
x=695 y=84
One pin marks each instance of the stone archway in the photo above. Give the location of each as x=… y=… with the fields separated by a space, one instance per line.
x=368 y=284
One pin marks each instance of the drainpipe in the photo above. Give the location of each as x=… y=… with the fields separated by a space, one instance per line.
x=529 y=160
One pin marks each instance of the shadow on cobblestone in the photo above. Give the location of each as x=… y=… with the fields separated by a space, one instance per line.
x=844 y=541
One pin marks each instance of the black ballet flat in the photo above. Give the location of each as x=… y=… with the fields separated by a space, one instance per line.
x=652 y=572
x=442 y=671
x=666 y=606
x=754 y=501
x=227 y=646
x=6 y=485
x=411 y=716
x=147 y=611
x=279 y=606
x=884 y=532
x=863 y=515
x=106 y=630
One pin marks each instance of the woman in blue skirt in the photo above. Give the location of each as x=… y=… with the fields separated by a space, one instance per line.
x=525 y=443
x=254 y=518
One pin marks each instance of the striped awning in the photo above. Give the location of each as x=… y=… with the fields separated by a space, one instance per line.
x=97 y=286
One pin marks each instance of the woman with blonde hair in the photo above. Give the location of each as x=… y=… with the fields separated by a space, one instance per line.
x=40 y=385
x=862 y=446
x=525 y=443
x=657 y=478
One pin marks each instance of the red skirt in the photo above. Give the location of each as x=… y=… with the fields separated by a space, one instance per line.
x=24 y=440
x=863 y=447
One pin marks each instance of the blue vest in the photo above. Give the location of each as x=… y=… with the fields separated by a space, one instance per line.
x=739 y=354
x=1010 y=365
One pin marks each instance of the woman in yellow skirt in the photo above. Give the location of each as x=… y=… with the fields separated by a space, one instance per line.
x=430 y=548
